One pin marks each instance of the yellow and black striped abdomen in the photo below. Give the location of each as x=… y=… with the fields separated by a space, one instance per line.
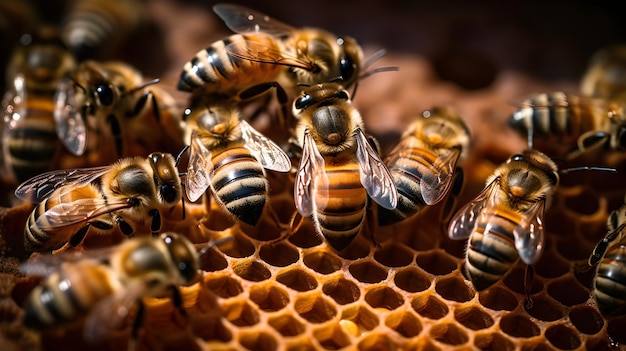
x=217 y=70
x=340 y=209
x=408 y=171
x=31 y=142
x=610 y=282
x=239 y=183
x=491 y=250
x=67 y=295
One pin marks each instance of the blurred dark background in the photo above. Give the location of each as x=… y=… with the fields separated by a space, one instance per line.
x=467 y=42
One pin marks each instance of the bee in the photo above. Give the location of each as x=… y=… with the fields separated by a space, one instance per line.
x=609 y=255
x=29 y=140
x=128 y=195
x=93 y=25
x=104 y=285
x=229 y=156
x=604 y=77
x=266 y=52
x=505 y=220
x=338 y=166
x=109 y=103
x=578 y=124
x=424 y=163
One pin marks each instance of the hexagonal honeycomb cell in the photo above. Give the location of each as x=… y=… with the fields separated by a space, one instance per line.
x=398 y=287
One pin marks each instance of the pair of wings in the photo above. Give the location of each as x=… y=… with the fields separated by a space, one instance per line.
x=311 y=176
x=435 y=178
x=200 y=169
x=528 y=233
x=241 y=19
x=63 y=214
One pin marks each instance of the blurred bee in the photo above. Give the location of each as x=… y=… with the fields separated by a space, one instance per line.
x=609 y=255
x=505 y=220
x=604 y=77
x=29 y=141
x=266 y=52
x=128 y=195
x=338 y=166
x=108 y=103
x=93 y=25
x=578 y=124
x=104 y=285
x=423 y=164
x=228 y=155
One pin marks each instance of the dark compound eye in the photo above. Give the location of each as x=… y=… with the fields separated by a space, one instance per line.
x=342 y=95
x=104 y=93
x=517 y=157
x=303 y=101
x=168 y=193
x=346 y=68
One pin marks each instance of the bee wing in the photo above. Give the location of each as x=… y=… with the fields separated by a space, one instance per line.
x=241 y=19
x=529 y=234
x=435 y=184
x=44 y=265
x=110 y=313
x=199 y=169
x=259 y=52
x=464 y=221
x=64 y=214
x=38 y=188
x=269 y=155
x=69 y=119
x=311 y=174
x=375 y=176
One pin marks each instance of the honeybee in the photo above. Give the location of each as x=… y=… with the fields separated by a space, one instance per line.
x=577 y=124
x=92 y=25
x=29 y=141
x=423 y=164
x=128 y=195
x=109 y=103
x=104 y=285
x=338 y=166
x=229 y=156
x=604 y=77
x=266 y=52
x=610 y=257
x=505 y=220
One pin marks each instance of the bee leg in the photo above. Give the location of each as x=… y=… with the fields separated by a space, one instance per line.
x=116 y=131
x=588 y=141
x=124 y=226
x=137 y=323
x=450 y=204
x=600 y=249
x=156 y=221
x=529 y=276
x=78 y=237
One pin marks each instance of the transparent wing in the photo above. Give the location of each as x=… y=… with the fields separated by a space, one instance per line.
x=241 y=19
x=436 y=184
x=375 y=176
x=38 y=188
x=199 y=169
x=110 y=314
x=68 y=213
x=464 y=221
x=269 y=155
x=46 y=264
x=260 y=52
x=311 y=176
x=69 y=119
x=529 y=234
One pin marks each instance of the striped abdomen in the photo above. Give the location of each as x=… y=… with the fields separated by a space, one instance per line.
x=216 y=70
x=610 y=282
x=31 y=142
x=239 y=183
x=39 y=239
x=340 y=209
x=491 y=254
x=557 y=115
x=67 y=295
x=408 y=171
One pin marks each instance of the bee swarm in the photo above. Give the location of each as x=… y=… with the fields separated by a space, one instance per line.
x=407 y=291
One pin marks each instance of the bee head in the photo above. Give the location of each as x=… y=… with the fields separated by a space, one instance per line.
x=184 y=257
x=166 y=178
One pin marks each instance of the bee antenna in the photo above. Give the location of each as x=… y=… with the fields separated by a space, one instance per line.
x=76 y=83
x=180 y=154
x=375 y=57
x=366 y=74
x=338 y=78
x=306 y=85
x=148 y=83
x=587 y=168
x=214 y=243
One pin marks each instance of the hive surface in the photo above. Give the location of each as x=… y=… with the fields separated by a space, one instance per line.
x=396 y=287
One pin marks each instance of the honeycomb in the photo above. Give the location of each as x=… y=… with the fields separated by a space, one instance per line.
x=398 y=287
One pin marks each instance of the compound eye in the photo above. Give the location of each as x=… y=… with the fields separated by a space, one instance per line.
x=342 y=95
x=168 y=193
x=346 y=68
x=104 y=94
x=517 y=157
x=303 y=101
